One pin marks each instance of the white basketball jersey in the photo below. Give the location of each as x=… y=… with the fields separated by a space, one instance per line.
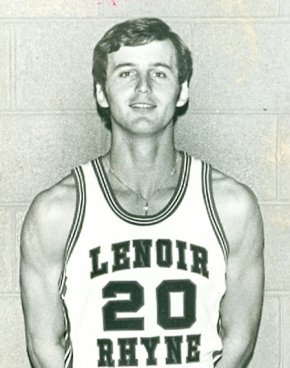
x=144 y=291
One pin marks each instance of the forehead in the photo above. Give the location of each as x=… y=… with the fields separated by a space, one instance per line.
x=152 y=53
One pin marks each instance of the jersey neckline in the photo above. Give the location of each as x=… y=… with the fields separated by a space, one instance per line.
x=164 y=213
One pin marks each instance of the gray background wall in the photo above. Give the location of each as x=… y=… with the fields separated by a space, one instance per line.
x=238 y=119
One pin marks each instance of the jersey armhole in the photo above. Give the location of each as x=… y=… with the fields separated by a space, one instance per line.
x=211 y=208
x=76 y=224
x=71 y=241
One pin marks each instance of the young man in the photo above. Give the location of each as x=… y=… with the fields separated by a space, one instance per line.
x=144 y=256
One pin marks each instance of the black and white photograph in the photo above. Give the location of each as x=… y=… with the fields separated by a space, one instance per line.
x=145 y=184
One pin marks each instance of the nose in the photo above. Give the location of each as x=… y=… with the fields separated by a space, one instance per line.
x=143 y=83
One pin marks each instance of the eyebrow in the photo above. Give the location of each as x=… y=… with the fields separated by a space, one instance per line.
x=123 y=65
x=163 y=65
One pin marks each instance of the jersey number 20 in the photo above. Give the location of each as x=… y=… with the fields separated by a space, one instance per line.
x=136 y=301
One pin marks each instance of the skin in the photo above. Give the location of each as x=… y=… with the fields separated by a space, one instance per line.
x=242 y=303
x=142 y=91
x=43 y=240
x=142 y=138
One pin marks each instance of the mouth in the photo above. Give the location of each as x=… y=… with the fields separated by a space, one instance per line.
x=143 y=106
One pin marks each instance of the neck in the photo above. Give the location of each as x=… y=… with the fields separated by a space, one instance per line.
x=142 y=162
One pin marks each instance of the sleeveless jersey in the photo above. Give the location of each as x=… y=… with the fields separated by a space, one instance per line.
x=144 y=291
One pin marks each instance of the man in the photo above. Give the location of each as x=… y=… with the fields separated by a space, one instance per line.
x=144 y=256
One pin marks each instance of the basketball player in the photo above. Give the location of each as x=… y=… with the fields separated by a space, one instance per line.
x=145 y=256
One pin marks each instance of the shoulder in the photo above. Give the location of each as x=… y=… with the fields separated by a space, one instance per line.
x=238 y=209
x=53 y=203
x=49 y=218
x=234 y=196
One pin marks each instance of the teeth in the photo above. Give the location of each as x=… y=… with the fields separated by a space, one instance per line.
x=142 y=106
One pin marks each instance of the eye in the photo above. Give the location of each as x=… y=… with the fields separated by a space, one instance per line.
x=127 y=73
x=160 y=75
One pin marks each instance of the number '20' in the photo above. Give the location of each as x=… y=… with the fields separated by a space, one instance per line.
x=136 y=301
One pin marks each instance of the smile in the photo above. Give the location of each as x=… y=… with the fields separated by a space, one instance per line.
x=142 y=106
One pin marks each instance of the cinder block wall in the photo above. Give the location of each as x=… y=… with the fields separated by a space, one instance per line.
x=238 y=119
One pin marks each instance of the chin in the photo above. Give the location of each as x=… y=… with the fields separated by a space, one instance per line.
x=146 y=127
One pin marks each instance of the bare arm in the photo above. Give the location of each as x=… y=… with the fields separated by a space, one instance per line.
x=242 y=303
x=43 y=239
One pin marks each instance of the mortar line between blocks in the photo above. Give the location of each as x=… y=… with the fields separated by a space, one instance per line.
x=14 y=256
x=278 y=158
x=14 y=204
x=275 y=203
x=277 y=293
x=177 y=19
x=194 y=112
x=9 y=295
x=13 y=68
x=280 y=334
x=194 y=56
x=10 y=73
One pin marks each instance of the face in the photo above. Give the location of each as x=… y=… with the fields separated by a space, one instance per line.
x=142 y=88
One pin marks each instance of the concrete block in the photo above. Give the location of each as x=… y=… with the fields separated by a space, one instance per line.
x=54 y=62
x=235 y=8
x=231 y=144
x=285 y=331
x=284 y=158
x=242 y=66
x=277 y=246
x=5 y=74
x=267 y=349
x=134 y=8
x=6 y=249
x=185 y=8
x=12 y=336
x=42 y=8
x=19 y=218
x=284 y=8
x=39 y=150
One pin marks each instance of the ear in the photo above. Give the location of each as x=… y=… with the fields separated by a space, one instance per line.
x=183 y=95
x=101 y=96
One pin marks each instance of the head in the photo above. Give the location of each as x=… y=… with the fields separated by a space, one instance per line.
x=136 y=32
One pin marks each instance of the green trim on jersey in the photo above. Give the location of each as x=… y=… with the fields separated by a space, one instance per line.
x=138 y=219
x=77 y=222
x=211 y=208
x=72 y=239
